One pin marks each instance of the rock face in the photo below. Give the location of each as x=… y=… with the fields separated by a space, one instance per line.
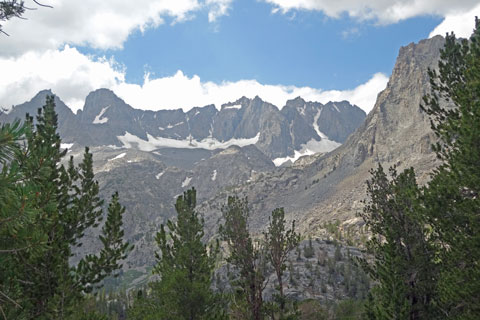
x=330 y=187
x=66 y=118
x=337 y=120
x=107 y=120
x=152 y=157
x=137 y=153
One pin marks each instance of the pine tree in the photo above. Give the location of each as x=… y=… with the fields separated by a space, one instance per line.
x=17 y=216
x=10 y=9
x=185 y=266
x=49 y=209
x=453 y=195
x=14 y=9
x=248 y=259
x=403 y=256
x=279 y=242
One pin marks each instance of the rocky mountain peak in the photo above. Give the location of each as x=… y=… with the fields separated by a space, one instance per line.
x=98 y=103
x=331 y=186
x=243 y=101
x=107 y=120
x=39 y=98
x=297 y=102
x=396 y=118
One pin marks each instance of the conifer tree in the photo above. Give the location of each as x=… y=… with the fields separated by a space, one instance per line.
x=10 y=9
x=453 y=195
x=14 y=9
x=279 y=242
x=185 y=266
x=248 y=259
x=17 y=216
x=403 y=264
x=49 y=208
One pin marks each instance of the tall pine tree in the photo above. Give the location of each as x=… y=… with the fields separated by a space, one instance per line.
x=185 y=265
x=279 y=242
x=403 y=256
x=49 y=209
x=453 y=195
x=248 y=258
x=443 y=218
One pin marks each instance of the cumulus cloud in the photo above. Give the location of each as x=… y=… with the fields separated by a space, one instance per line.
x=381 y=11
x=462 y=23
x=363 y=96
x=72 y=75
x=102 y=24
x=180 y=91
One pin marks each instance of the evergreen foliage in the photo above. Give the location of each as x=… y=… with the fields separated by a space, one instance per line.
x=10 y=9
x=279 y=242
x=452 y=197
x=185 y=266
x=403 y=257
x=426 y=241
x=13 y=9
x=247 y=257
x=45 y=209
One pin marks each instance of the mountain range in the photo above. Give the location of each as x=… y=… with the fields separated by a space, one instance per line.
x=299 y=127
x=247 y=147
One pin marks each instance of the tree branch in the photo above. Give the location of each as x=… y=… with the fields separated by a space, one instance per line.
x=11 y=300
x=42 y=5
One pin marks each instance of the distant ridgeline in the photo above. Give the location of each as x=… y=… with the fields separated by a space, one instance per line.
x=299 y=128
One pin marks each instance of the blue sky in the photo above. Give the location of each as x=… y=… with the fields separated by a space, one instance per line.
x=302 y=48
x=185 y=53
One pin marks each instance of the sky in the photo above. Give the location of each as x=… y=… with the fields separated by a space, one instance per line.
x=169 y=54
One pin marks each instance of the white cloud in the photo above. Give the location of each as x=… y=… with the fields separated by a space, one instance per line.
x=102 y=24
x=218 y=8
x=363 y=96
x=461 y=23
x=350 y=33
x=72 y=75
x=170 y=92
x=381 y=11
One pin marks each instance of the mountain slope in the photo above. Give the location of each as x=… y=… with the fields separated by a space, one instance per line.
x=319 y=189
x=330 y=187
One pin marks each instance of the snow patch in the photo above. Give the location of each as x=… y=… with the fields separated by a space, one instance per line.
x=186 y=182
x=311 y=147
x=237 y=106
x=66 y=145
x=114 y=147
x=315 y=125
x=99 y=119
x=170 y=126
x=210 y=131
x=302 y=109
x=159 y=175
x=120 y=156
x=214 y=175
x=131 y=141
x=336 y=108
